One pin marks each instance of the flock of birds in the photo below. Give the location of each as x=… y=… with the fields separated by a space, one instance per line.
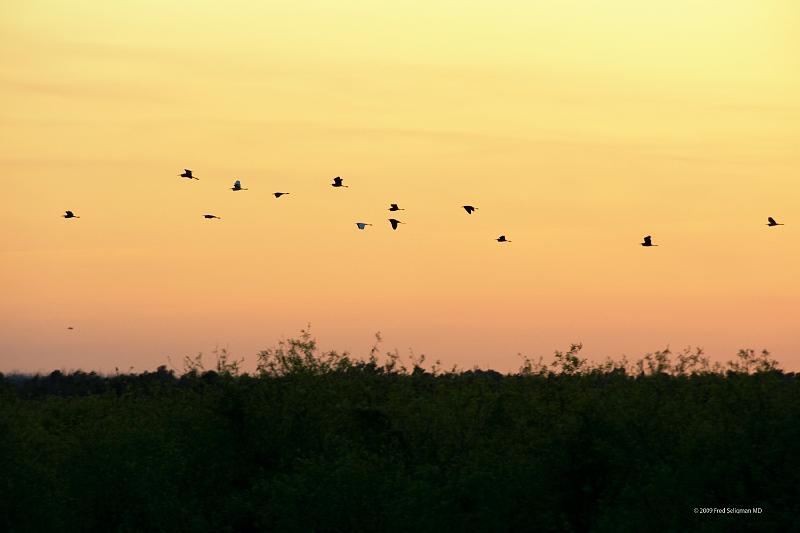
x=339 y=182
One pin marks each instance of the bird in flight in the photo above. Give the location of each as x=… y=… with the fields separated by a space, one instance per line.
x=188 y=174
x=70 y=214
x=771 y=222
x=393 y=207
x=212 y=216
x=279 y=194
x=648 y=241
x=502 y=238
x=394 y=222
x=337 y=182
x=362 y=225
x=469 y=209
x=70 y=327
x=237 y=186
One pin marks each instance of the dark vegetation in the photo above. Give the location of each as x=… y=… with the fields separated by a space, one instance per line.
x=326 y=442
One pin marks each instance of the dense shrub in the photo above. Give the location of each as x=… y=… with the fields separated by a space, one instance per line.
x=324 y=442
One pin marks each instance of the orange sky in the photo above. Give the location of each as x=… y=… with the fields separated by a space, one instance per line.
x=575 y=127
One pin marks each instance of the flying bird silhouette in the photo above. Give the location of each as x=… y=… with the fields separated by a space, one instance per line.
x=211 y=216
x=70 y=327
x=188 y=174
x=502 y=238
x=393 y=207
x=648 y=241
x=70 y=214
x=362 y=225
x=279 y=194
x=469 y=209
x=237 y=186
x=771 y=222
x=337 y=182
x=394 y=222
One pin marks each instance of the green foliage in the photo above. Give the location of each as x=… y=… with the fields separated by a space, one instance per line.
x=300 y=356
x=747 y=362
x=323 y=441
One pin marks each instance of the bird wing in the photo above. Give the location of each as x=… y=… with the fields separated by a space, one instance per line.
x=70 y=213
x=647 y=239
x=187 y=171
x=393 y=222
x=771 y=220
x=237 y=184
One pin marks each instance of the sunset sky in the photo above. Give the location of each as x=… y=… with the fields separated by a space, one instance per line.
x=576 y=128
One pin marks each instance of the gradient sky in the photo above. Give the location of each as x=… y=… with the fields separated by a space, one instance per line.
x=576 y=127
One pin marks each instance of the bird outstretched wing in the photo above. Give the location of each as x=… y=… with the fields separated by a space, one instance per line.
x=771 y=220
x=70 y=214
x=647 y=240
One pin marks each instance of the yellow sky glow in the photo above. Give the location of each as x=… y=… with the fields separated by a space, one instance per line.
x=576 y=127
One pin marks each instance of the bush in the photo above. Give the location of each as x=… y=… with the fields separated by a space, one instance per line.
x=328 y=442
